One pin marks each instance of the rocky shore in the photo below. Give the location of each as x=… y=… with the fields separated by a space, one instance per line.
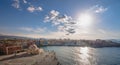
x=46 y=58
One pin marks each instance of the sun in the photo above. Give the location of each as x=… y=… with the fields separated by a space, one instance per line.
x=85 y=20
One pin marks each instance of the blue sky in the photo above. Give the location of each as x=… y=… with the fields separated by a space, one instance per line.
x=75 y=19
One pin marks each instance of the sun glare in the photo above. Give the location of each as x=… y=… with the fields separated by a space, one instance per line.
x=85 y=20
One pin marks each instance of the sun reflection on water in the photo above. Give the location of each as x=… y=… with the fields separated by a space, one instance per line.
x=84 y=50
x=84 y=56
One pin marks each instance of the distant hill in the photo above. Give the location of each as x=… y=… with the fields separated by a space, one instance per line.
x=1 y=34
x=115 y=40
x=12 y=37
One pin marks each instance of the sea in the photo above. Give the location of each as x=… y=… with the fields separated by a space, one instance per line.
x=68 y=55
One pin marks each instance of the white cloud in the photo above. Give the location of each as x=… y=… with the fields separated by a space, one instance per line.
x=39 y=8
x=52 y=17
x=33 y=30
x=26 y=29
x=25 y=1
x=98 y=9
x=102 y=31
x=38 y=33
x=61 y=21
x=33 y=9
x=58 y=35
x=16 y=4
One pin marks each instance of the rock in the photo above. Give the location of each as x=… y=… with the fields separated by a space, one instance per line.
x=33 y=49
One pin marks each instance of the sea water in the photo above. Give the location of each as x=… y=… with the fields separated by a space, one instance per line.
x=68 y=55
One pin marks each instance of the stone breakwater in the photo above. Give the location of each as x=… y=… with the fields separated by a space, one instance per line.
x=46 y=58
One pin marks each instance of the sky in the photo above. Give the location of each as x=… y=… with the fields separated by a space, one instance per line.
x=74 y=19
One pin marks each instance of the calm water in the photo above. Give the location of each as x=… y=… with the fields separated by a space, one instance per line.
x=86 y=55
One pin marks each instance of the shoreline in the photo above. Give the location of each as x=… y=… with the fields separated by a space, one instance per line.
x=80 y=46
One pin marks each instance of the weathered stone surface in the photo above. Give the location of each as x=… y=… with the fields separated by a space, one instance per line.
x=46 y=58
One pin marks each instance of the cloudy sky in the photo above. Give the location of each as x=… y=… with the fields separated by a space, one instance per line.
x=75 y=19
